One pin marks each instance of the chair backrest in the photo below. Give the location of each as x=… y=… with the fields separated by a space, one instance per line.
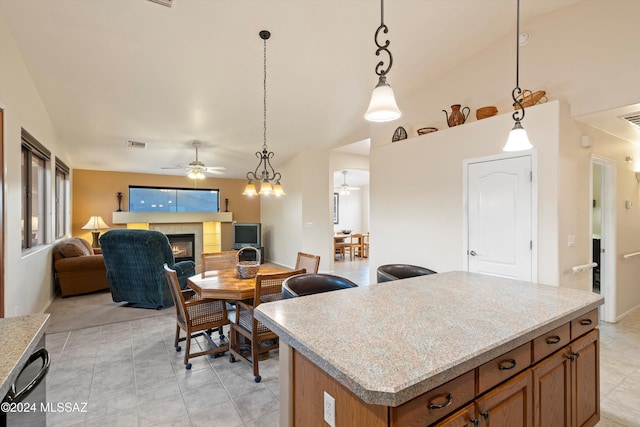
x=308 y=284
x=308 y=262
x=218 y=261
x=390 y=272
x=134 y=260
x=269 y=286
x=176 y=294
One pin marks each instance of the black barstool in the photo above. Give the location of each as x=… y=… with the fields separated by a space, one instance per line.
x=389 y=272
x=307 y=284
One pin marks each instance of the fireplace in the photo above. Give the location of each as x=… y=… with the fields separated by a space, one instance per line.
x=182 y=246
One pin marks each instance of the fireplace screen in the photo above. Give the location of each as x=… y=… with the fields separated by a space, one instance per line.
x=182 y=246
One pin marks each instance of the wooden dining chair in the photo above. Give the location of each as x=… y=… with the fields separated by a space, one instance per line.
x=355 y=246
x=262 y=340
x=218 y=261
x=309 y=262
x=197 y=317
x=365 y=245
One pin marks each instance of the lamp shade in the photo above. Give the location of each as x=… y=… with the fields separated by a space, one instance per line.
x=382 y=107
x=250 y=189
x=95 y=223
x=518 y=139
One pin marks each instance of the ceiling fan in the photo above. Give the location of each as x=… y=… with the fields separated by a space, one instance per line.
x=344 y=188
x=196 y=169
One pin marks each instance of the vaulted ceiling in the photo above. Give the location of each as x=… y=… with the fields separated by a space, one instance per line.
x=111 y=71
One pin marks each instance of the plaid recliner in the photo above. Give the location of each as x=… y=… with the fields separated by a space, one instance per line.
x=135 y=267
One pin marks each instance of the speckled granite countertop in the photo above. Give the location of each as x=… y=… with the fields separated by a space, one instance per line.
x=390 y=342
x=18 y=339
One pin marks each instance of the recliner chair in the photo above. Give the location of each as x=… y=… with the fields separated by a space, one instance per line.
x=389 y=272
x=135 y=267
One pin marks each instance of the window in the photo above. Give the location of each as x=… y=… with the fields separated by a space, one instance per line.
x=35 y=158
x=62 y=198
x=157 y=199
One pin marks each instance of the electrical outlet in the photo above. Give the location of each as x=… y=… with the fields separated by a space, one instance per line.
x=329 y=409
x=572 y=240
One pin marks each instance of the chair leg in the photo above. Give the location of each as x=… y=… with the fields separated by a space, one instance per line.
x=187 y=365
x=254 y=357
x=177 y=340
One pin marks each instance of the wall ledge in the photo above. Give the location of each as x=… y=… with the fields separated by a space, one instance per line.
x=171 y=217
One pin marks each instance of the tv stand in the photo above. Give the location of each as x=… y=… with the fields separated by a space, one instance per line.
x=249 y=255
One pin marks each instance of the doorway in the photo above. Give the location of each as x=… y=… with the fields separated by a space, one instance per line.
x=500 y=217
x=603 y=188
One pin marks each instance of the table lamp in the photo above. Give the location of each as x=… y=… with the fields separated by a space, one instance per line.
x=95 y=223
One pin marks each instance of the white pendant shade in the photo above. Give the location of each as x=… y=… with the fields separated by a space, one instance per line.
x=518 y=139
x=382 y=107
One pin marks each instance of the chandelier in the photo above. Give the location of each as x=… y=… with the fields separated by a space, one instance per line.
x=518 y=140
x=382 y=107
x=264 y=172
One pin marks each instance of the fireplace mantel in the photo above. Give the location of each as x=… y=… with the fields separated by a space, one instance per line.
x=171 y=217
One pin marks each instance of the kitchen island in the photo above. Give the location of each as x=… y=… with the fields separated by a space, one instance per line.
x=397 y=351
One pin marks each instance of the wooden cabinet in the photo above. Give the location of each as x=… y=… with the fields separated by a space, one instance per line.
x=566 y=385
x=436 y=403
x=508 y=405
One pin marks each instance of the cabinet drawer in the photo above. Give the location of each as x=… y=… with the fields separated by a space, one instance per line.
x=584 y=324
x=503 y=367
x=551 y=341
x=436 y=403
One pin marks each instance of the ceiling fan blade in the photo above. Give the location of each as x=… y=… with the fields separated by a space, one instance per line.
x=215 y=168
x=173 y=167
x=215 y=172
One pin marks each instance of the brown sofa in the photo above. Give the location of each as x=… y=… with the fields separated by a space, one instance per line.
x=78 y=269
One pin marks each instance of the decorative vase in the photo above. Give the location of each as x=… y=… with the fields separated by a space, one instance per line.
x=457 y=117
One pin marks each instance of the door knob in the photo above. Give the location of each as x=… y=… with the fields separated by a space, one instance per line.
x=472 y=253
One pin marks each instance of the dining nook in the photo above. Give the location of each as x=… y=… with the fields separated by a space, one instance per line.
x=354 y=245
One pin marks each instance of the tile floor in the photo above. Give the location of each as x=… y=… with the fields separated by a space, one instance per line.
x=130 y=375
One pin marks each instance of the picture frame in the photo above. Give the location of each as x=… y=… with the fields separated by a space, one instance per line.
x=336 y=201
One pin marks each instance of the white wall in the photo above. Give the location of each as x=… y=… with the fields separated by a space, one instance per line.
x=303 y=219
x=417 y=192
x=28 y=276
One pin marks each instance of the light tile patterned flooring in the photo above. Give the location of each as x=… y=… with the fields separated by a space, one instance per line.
x=130 y=375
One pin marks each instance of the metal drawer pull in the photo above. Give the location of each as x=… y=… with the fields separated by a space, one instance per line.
x=555 y=339
x=573 y=356
x=586 y=322
x=448 y=397
x=507 y=364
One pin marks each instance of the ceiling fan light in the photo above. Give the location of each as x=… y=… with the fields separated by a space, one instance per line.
x=382 y=107
x=518 y=139
x=250 y=189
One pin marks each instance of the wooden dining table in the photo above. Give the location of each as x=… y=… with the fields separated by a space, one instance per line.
x=225 y=284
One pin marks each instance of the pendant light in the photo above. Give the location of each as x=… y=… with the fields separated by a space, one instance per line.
x=518 y=140
x=264 y=172
x=382 y=107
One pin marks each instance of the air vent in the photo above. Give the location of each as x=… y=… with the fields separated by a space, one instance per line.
x=633 y=118
x=136 y=144
x=167 y=3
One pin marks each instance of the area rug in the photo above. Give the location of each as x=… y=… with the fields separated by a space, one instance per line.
x=97 y=309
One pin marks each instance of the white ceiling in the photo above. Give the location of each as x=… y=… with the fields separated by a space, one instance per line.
x=112 y=71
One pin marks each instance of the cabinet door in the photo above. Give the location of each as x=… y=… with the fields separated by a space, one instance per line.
x=465 y=417
x=552 y=391
x=586 y=380
x=509 y=404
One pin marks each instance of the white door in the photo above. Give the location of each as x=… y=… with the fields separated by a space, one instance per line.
x=500 y=234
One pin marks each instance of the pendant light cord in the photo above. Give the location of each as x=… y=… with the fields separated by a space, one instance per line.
x=264 y=86
x=518 y=115
x=382 y=47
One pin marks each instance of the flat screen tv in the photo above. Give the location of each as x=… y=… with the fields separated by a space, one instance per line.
x=246 y=234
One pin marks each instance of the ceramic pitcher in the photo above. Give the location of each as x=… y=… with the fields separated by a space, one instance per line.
x=457 y=116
